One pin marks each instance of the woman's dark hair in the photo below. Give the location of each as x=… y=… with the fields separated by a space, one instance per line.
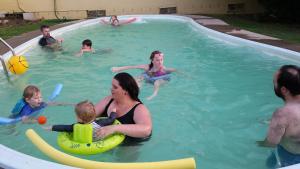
x=289 y=77
x=128 y=83
x=152 y=57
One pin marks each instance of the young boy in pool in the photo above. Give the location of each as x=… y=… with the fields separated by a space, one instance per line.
x=86 y=47
x=30 y=103
x=85 y=114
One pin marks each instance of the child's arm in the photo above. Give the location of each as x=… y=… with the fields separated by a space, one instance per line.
x=59 y=104
x=28 y=120
x=107 y=121
x=59 y=128
x=80 y=53
x=118 y=69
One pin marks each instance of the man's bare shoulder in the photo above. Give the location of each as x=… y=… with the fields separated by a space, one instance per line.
x=288 y=111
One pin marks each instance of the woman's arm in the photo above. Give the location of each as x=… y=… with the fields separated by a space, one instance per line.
x=119 y=69
x=100 y=106
x=141 y=129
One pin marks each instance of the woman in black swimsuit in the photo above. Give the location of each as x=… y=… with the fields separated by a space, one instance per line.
x=134 y=116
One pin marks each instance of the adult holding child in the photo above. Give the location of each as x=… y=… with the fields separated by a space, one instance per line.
x=155 y=72
x=134 y=116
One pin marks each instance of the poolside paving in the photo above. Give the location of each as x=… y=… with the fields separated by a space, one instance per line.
x=221 y=26
x=209 y=22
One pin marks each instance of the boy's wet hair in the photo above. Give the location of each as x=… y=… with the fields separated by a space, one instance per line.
x=289 y=77
x=44 y=27
x=87 y=42
x=85 y=110
x=29 y=91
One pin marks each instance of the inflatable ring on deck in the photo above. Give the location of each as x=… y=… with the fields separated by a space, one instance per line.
x=65 y=141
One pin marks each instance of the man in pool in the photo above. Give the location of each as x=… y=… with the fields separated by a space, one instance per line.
x=284 y=128
x=47 y=39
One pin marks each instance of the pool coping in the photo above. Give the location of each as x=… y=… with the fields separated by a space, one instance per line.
x=25 y=161
x=31 y=40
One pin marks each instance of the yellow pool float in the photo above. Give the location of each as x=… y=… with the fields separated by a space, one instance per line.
x=81 y=140
x=186 y=163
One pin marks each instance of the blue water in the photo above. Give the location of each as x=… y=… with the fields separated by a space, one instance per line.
x=213 y=109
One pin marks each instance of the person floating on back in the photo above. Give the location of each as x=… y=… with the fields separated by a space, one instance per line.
x=114 y=21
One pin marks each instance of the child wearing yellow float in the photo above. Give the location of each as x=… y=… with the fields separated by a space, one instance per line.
x=85 y=113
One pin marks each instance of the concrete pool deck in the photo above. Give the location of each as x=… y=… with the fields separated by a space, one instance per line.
x=221 y=26
x=209 y=22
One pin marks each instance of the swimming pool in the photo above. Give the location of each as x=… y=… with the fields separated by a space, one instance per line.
x=214 y=109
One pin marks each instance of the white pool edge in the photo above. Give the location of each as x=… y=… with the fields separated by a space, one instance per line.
x=273 y=50
x=11 y=159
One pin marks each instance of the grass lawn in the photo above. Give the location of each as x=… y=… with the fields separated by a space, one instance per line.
x=287 y=32
x=14 y=29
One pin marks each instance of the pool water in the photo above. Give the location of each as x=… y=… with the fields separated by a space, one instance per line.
x=213 y=109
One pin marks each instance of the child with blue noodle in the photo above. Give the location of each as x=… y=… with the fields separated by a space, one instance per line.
x=85 y=114
x=30 y=103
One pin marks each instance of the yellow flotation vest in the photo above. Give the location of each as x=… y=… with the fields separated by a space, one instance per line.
x=83 y=133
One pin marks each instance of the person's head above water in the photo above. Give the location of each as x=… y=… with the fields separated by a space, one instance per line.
x=157 y=59
x=45 y=30
x=32 y=95
x=87 y=44
x=124 y=85
x=287 y=81
x=85 y=112
x=114 y=20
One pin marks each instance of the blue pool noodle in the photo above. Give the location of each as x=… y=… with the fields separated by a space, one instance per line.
x=55 y=93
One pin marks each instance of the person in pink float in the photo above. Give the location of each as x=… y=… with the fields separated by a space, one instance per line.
x=155 y=69
x=114 y=21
